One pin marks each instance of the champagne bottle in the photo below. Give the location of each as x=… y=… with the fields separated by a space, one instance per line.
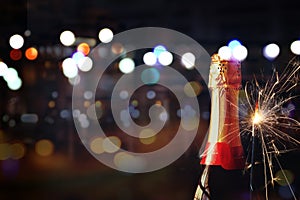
x=223 y=147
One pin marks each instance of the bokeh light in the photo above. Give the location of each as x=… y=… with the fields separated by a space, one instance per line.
x=76 y=113
x=135 y=102
x=86 y=104
x=225 y=52
x=17 y=151
x=151 y=94
x=3 y=68
x=240 y=53
x=271 y=51
x=123 y=160
x=98 y=104
x=15 y=84
x=164 y=116
x=10 y=75
x=44 y=147
x=94 y=112
x=84 y=48
x=15 y=54
x=134 y=113
x=51 y=104
x=284 y=177
x=83 y=120
x=188 y=60
x=111 y=144
x=105 y=35
x=295 y=47
x=186 y=112
x=96 y=145
x=31 y=53
x=67 y=38
x=69 y=67
x=192 y=89
x=127 y=162
x=85 y=123
x=16 y=41
x=158 y=103
x=149 y=140
x=234 y=43
x=149 y=58
x=27 y=33
x=150 y=76
x=29 y=118
x=158 y=50
x=146 y=133
x=124 y=94
x=165 y=58
x=88 y=95
x=147 y=136
x=77 y=56
x=117 y=48
x=126 y=65
x=85 y=64
x=190 y=123
x=65 y=114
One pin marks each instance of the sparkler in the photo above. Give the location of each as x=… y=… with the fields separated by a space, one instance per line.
x=265 y=116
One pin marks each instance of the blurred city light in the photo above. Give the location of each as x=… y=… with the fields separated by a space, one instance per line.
x=85 y=64
x=225 y=52
x=271 y=51
x=69 y=67
x=84 y=48
x=31 y=53
x=158 y=50
x=165 y=58
x=234 y=43
x=240 y=52
x=188 y=60
x=3 y=68
x=295 y=47
x=126 y=65
x=67 y=38
x=105 y=35
x=16 y=41
x=149 y=58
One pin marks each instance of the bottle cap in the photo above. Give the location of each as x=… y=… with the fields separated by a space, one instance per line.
x=224 y=73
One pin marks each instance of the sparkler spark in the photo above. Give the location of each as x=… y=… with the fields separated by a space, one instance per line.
x=257 y=117
x=265 y=115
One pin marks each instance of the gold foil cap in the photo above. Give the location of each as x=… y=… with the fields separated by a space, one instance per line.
x=215 y=58
x=225 y=73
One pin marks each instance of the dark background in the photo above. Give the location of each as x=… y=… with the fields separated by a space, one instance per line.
x=71 y=172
